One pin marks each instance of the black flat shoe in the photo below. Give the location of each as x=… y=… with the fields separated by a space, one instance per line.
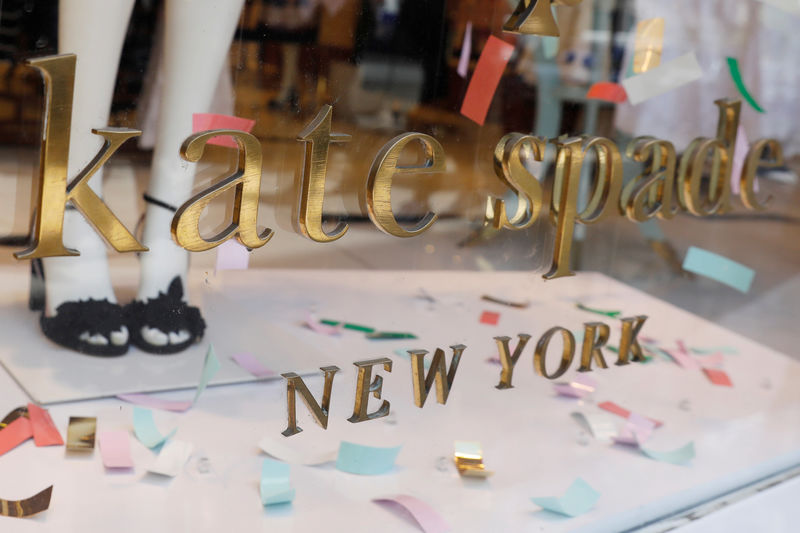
x=76 y=324
x=169 y=314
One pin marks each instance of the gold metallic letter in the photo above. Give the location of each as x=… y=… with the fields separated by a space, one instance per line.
x=379 y=183
x=593 y=341
x=246 y=179
x=650 y=193
x=567 y=353
x=509 y=168
x=295 y=383
x=534 y=17
x=507 y=360
x=364 y=387
x=753 y=160
x=628 y=342
x=317 y=137
x=438 y=371
x=690 y=177
x=53 y=193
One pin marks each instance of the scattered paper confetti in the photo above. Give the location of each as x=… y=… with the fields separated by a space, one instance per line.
x=680 y=456
x=611 y=407
x=144 y=427
x=485 y=78
x=366 y=460
x=275 y=486
x=683 y=359
x=212 y=121
x=44 y=430
x=611 y=314
x=662 y=79
x=80 y=433
x=469 y=459
x=636 y=430
x=579 y=387
x=27 y=507
x=14 y=434
x=730 y=350
x=251 y=363
x=466 y=52
x=648 y=44
x=489 y=317
x=231 y=255
x=296 y=453
x=733 y=68
x=389 y=335
x=509 y=303
x=426 y=517
x=115 y=449
x=720 y=268
x=315 y=325
x=580 y=498
x=15 y=413
x=598 y=425
x=211 y=366
x=607 y=91
x=718 y=377
x=172 y=458
x=346 y=325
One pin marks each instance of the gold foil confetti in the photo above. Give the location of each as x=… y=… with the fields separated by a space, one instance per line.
x=80 y=433
x=27 y=507
x=648 y=44
x=469 y=459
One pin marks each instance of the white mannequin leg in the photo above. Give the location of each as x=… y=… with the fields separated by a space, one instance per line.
x=95 y=31
x=198 y=34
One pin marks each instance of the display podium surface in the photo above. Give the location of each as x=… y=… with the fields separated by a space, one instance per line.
x=529 y=438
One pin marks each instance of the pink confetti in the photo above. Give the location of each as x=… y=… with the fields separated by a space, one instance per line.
x=213 y=121
x=315 y=325
x=489 y=317
x=718 y=377
x=115 y=447
x=611 y=407
x=580 y=387
x=483 y=84
x=44 y=430
x=715 y=360
x=636 y=431
x=683 y=359
x=251 y=364
x=425 y=516
x=466 y=52
x=232 y=256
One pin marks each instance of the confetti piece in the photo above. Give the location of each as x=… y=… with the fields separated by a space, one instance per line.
x=275 y=486
x=720 y=268
x=145 y=428
x=45 y=432
x=251 y=363
x=597 y=424
x=733 y=68
x=80 y=433
x=607 y=91
x=387 y=335
x=714 y=360
x=426 y=517
x=27 y=507
x=15 y=413
x=683 y=360
x=115 y=449
x=509 y=303
x=648 y=44
x=651 y=230
x=489 y=317
x=346 y=325
x=296 y=453
x=579 y=387
x=232 y=256
x=365 y=460
x=718 y=377
x=722 y=349
x=580 y=498
x=172 y=458
x=485 y=78
x=323 y=328
x=662 y=79
x=468 y=457
x=466 y=52
x=211 y=366
x=611 y=314
x=14 y=434
x=680 y=456
x=212 y=121
x=636 y=430
x=611 y=407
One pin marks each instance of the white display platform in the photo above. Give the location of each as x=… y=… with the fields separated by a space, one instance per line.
x=529 y=439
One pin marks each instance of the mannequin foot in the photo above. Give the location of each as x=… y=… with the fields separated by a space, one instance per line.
x=92 y=327
x=165 y=324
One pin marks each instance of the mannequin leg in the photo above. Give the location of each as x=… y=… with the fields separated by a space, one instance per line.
x=290 y=58
x=97 y=40
x=197 y=38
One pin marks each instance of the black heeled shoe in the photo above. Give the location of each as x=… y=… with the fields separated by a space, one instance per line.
x=76 y=323
x=167 y=313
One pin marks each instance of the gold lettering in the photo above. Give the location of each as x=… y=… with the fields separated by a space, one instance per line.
x=246 y=179
x=58 y=73
x=507 y=360
x=690 y=177
x=509 y=168
x=364 y=387
x=534 y=17
x=754 y=159
x=650 y=193
x=317 y=137
x=628 y=342
x=438 y=371
x=379 y=183
x=595 y=336
x=567 y=352
x=319 y=411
